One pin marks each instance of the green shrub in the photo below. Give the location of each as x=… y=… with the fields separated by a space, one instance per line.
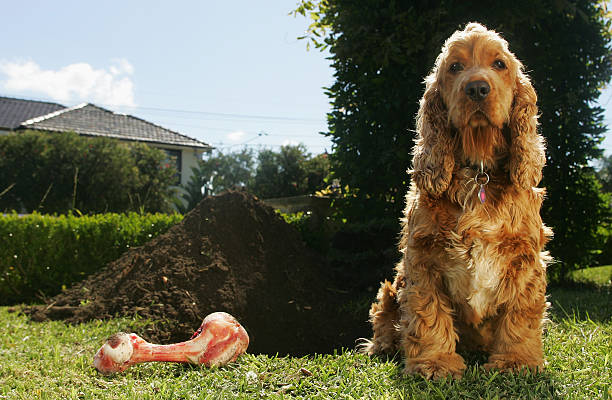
x=314 y=232
x=59 y=172
x=359 y=255
x=40 y=254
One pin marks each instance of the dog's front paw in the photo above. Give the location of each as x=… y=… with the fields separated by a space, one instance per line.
x=513 y=362
x=436 y=366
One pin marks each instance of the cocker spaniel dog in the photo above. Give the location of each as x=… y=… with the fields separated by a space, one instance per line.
x=473 y=266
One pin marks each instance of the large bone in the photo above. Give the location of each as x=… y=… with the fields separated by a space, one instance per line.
x=219 y=340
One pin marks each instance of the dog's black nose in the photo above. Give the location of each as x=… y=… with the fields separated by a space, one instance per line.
x=477 y=90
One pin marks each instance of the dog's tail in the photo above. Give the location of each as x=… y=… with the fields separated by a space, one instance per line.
x=364 y=346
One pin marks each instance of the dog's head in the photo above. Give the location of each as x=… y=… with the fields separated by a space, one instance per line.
x=476 y=76
x=476 y=89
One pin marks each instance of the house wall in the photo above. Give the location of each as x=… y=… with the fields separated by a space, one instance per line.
x=189 y=160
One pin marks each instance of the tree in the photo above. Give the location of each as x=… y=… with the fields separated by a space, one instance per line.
x=230 y=170
x=280 y=174
x=317 y=170
x=152 y=184
x=291 y=171
x=382 y=50
x=58 y=172
x=217 y=173
x=267 y=176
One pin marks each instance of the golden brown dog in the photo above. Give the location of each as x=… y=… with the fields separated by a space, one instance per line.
x=473 y=265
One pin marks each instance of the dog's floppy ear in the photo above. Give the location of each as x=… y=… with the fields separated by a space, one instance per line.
x=527 y=157
x=433 y=161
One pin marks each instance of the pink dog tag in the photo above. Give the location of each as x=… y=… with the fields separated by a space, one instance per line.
x=482 y=195
x=482 y=178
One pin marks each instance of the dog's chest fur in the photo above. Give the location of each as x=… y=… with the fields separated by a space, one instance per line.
x=473 y=280
x=475 y=271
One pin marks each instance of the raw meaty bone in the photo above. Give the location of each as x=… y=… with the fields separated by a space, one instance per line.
x=219 y=340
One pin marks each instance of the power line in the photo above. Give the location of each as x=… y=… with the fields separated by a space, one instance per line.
x=228 y=115
x=209 y=128
x=221 y=145
x=225 y=116
x=242 y=120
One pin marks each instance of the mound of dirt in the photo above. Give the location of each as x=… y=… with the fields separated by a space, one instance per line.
x=231 y=253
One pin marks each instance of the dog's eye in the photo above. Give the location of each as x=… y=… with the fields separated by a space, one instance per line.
x=499 y=64
x=455 y=67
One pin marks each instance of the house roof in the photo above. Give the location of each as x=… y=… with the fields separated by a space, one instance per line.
x=14 y=111
x=91 y=120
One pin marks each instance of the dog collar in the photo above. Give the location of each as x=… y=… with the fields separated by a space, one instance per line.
x=481 y=179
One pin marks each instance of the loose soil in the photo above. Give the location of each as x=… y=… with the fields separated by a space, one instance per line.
x=231 y=253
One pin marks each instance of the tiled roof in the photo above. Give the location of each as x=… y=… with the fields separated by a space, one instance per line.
x=91 y=120
x=14 y=111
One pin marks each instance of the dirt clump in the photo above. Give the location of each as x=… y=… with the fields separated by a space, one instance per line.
x=231 y=253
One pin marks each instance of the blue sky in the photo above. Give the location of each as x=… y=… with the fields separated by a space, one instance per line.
x=227 y=73
x=222 y=72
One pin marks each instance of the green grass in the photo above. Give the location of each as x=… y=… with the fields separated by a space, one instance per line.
x=52 y=360
x=597 y=275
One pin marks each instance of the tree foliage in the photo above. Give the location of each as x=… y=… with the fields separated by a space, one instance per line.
x=218 y=172
x=229 y=170
x=59 y=172
x=382 y=50
x=290 y=171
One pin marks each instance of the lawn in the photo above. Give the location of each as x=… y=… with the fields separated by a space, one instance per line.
x=597 y=275
x=52 y=360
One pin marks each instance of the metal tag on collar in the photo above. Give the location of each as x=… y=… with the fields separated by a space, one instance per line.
x=482 y=178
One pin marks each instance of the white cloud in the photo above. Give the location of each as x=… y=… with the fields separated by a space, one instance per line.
x=236 y=136
x=72 y=83
x=122 y=66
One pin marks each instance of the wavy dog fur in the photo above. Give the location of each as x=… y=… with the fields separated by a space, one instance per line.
x=472 y=273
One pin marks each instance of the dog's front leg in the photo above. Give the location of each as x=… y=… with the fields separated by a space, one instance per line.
x=428 y=336
x=518 y=337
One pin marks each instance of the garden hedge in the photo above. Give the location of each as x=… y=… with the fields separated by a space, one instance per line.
x=41 y=254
